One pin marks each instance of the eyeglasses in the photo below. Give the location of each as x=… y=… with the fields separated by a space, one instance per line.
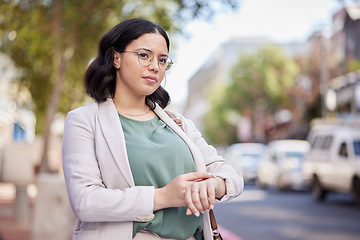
x=146 y=57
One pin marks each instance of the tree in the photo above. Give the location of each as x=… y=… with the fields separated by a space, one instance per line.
x=266 y=76
x=321 y=60
x=52 y=41
x=260 y=82
x=218 y=125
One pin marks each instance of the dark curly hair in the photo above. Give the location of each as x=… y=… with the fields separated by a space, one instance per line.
x=100 y=77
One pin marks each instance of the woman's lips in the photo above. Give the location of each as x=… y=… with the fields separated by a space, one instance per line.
x=151 y=79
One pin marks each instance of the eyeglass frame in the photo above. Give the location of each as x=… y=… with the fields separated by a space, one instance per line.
x=152 y=59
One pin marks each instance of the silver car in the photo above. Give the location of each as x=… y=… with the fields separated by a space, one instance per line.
x=281 y=166
x=245 y=158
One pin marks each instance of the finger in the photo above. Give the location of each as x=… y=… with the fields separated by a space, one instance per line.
x=191 y=204
x=204 y=199
x=188 y=211
x=191 y=207
x=197 y=176
x=211 y=195
x=195 y=194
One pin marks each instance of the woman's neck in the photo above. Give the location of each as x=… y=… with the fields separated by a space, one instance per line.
x=132 y=108
x=126 y=101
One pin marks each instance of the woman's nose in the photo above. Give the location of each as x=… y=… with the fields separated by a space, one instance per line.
x=154 y=64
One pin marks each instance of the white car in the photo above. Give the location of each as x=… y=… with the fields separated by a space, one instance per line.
x=281 y=166
x=333 y=162
x=245 y=158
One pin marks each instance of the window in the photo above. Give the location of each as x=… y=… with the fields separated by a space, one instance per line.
x=327 y=142
x=318 y=142
x=343 y=151
x=356 y=145
x=313 y=144
x=19 y=133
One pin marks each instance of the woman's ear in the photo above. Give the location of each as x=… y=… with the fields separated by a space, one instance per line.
x=116 y=63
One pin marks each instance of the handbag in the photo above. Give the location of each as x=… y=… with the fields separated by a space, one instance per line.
x=214 y=226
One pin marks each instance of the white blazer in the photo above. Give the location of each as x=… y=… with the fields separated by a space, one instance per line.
x=98 y=177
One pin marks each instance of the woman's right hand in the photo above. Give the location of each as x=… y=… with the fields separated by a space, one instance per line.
x=173 y=194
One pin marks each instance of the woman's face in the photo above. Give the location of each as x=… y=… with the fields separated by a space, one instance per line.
x=134 y=79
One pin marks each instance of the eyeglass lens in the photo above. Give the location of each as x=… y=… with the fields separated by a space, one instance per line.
x=145 y=58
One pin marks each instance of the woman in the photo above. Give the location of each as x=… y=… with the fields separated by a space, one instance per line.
x=130 y=170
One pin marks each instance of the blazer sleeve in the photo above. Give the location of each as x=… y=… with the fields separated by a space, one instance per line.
x=89 y=196
x=215 y=163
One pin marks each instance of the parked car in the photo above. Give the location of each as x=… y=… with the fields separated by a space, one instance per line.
x=281 y=166
x=245 y=158
x=333 y=162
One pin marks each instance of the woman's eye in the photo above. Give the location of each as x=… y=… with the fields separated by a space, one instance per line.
x=144 y=55
x=163 y=60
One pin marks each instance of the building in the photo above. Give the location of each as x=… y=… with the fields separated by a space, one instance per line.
x=216 y=70
x=343 y=94
x=343 y=46
x=16 y=123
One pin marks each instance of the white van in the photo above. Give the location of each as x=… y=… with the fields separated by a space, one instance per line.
x=333 y=162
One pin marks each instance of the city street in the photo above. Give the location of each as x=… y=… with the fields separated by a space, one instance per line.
x=267 y=214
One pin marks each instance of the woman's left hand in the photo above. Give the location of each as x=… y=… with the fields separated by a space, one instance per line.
x=200 y=195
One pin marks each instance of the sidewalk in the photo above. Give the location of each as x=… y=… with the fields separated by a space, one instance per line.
x=227 y=235
x=9 y=229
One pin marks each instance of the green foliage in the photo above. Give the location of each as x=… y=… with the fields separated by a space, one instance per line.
x=353 y=65
x=266 y=76
x=260 y=80
x=39 y=37
x=218 y=127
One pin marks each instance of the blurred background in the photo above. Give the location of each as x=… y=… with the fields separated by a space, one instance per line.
x=274 y=85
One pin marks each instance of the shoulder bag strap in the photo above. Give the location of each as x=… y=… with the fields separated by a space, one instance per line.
x=216 y=233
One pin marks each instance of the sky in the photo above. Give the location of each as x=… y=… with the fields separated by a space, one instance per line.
x=282 y=20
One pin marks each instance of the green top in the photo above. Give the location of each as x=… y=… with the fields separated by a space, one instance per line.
x=157 y=155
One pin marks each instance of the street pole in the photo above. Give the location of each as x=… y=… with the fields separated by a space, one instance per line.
x=324 y=74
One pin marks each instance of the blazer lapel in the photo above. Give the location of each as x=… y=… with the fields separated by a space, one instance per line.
x=113 y=133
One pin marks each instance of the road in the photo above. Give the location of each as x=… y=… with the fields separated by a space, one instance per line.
x=270 y=215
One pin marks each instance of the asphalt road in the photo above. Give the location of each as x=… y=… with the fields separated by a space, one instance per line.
x=270 y=215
